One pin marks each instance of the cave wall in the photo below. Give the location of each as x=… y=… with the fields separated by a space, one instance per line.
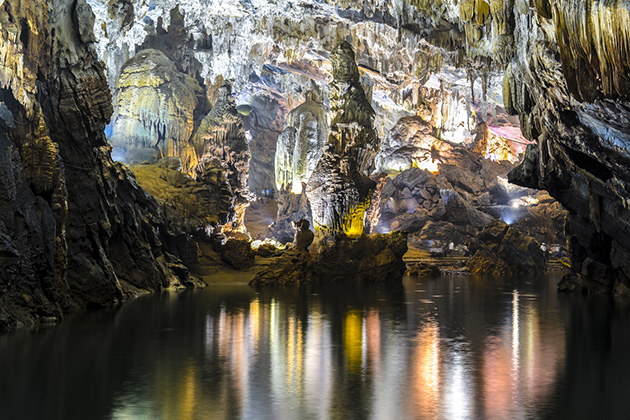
x=77 y=231
x=568 y=82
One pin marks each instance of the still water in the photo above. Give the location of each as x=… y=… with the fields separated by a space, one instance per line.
x=451 y=348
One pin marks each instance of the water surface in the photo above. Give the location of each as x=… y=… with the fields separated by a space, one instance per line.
x=451 y=348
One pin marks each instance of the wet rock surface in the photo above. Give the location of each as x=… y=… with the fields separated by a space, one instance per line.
x=422 y=269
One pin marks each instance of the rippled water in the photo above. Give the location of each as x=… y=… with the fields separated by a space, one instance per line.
x=452 y=348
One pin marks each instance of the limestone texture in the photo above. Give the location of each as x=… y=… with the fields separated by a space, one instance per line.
x=300 y=145
x=220 y=142
x=77 y=231
x=339 y=189
x=424 y=270
x=154 y=110
x=369 y=258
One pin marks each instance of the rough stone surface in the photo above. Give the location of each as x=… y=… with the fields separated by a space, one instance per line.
x=301 y=143
x=424 y=270
x=373 y=258
x=238 y=252
x=339 y=190
x=221 y=137
x=503 y=250
x=92 y=231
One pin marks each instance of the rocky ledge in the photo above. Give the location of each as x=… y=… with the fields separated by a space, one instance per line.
x=369 y=258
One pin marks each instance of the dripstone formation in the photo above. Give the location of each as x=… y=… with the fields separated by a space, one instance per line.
x=339 y=189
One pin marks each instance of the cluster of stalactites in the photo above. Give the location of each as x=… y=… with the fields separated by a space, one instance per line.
x=301 y=143
x=594 y=44
x=352 y=124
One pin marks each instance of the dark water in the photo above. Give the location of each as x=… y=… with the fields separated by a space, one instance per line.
x=452 y=348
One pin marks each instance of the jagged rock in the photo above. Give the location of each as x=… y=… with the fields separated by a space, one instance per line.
x=266 y=250
x=238 y=252
x=92 y=231
x=424 y=270
x=370 y=258
x=445 y=232
x=291 y=268
x=303 y=235
x=264 y=120
x=193 y=208
x=176 y=44
x=503 y=250
x=544 y=220
x=409 y=144
x=154 y=106
x=486 y=262
x=291 y=208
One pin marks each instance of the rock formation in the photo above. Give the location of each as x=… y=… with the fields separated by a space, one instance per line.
x=301 y=143
x=154 y=110
x=339 y=190
x=568 y=82
x=424 y=270
x=220 y=143
x=450 y=192
x=370 y=258
x=503 y=250
x=264 y=114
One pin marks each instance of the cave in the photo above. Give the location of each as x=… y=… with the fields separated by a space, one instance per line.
x=316 y=209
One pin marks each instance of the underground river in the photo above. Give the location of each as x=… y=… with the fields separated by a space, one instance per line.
x=452 y=348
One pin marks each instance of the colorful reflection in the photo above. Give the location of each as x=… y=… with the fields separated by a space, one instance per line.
x=278 y=358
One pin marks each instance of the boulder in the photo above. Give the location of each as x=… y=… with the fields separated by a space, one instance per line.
x=238 y=252
x=486 y=262
x=504 y=250
x=424 y=270
x=370 y=258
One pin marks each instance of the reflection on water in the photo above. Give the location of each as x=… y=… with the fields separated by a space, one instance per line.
x=452 y=348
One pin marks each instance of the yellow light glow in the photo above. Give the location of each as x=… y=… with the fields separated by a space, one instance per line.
x=355 y=220
x=427 y=374
x=353 y=340
x=429 y=164
x=255 y=315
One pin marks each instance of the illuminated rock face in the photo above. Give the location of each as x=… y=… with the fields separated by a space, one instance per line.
x=301 y=143
x=339 y=189
x=264 y=115
x=154 y=107
x=409 y=144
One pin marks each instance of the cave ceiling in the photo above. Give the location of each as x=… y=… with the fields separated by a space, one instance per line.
x=403 y=50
